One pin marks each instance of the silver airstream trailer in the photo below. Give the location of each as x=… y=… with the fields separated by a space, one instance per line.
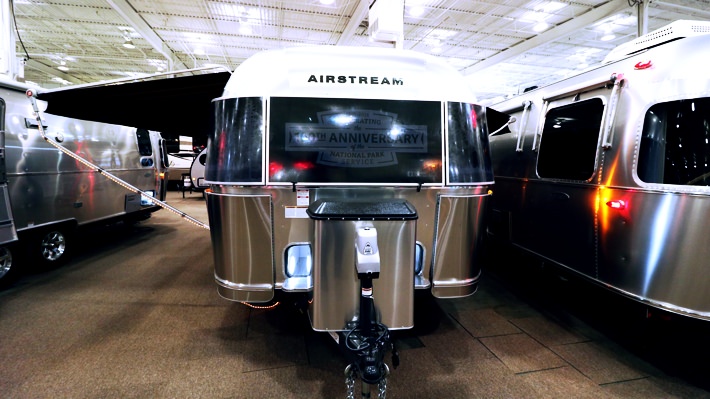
x=346 y=174
x=46 y=195
x=607 y=173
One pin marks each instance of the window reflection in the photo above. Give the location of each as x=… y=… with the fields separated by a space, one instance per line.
x=675 y=145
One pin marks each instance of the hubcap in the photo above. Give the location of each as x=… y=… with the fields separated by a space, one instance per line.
x=5 y=261
x=53 y=246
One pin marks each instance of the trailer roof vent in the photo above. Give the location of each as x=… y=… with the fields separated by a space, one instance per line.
x=673 y=31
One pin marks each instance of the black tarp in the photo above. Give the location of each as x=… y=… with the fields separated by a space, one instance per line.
x=173 y=106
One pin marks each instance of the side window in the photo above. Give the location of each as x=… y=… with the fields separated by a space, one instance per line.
x=675 y=143
x=163 y=153
x=568 y=146
x=144 y=146
x=469 y=160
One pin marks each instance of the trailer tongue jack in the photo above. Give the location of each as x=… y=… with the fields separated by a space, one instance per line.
x=378 y=236
x=368 y=341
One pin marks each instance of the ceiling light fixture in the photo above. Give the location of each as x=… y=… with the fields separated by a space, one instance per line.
x=244 y=28
x=541 y=26
x=129 y=44
x=416 y=11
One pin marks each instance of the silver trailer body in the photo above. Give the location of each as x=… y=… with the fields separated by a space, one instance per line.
x=197 y=171
x=346 y=126
x=607 y=173
x=43 y=191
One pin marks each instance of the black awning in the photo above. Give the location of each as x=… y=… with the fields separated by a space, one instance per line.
x=172 y=106
x=497 y=120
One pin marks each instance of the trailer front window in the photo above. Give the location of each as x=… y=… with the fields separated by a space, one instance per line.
x=337 y=140
x=675 y=145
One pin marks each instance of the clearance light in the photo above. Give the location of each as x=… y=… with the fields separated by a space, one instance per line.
x=303 y=165
x=162 y=175
x=643 y=65
x=617 y=204
x=267 y=307
x=432 y=165
x=275 y=167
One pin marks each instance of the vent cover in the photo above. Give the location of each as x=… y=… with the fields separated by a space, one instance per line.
x=673 y=31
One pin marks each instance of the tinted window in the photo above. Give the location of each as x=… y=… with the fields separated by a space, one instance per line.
x=235 y=146
x=568 y=146
x=469 y=155
x=675 y=143
x=326 y=140
x=145 y=148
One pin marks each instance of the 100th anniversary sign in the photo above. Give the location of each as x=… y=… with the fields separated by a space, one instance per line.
x=363 y=138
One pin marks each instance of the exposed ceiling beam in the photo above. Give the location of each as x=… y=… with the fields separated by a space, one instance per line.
x=363 y=6
x=52 y=71
x=142 y=28
x=682 y=9
x=550 y=35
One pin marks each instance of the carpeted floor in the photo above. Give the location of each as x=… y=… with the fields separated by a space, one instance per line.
x=135 y=314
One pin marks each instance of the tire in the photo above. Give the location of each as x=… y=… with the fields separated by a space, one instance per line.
x=7 y=265
x=51 y=247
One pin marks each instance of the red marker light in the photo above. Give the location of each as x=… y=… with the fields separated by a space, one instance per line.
x=303 y=165
x=617 y=204
x=274 y=168
x=643 y=65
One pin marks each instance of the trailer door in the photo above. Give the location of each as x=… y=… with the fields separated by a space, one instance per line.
x=557 y=217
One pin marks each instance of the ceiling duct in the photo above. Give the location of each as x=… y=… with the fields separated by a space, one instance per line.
x=386 y=21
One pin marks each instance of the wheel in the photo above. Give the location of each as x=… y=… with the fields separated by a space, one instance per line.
x=52 y=247
x=6 y=264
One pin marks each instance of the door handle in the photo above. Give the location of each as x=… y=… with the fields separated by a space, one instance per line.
x=560 y=196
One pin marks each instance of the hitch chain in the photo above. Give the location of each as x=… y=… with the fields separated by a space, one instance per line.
x=350 y=384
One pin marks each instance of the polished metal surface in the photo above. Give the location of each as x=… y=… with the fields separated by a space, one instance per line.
x=242 y=239
x=48 y=193
x=336 y=288
x=459 y=237
x=644 y=239
x=241 y=229
x=46 y=185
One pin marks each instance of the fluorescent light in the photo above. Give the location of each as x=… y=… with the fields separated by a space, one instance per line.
x=608 y=37
x=244 y=29
x=541 y=26
x=550 y=7
x=416 y=11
